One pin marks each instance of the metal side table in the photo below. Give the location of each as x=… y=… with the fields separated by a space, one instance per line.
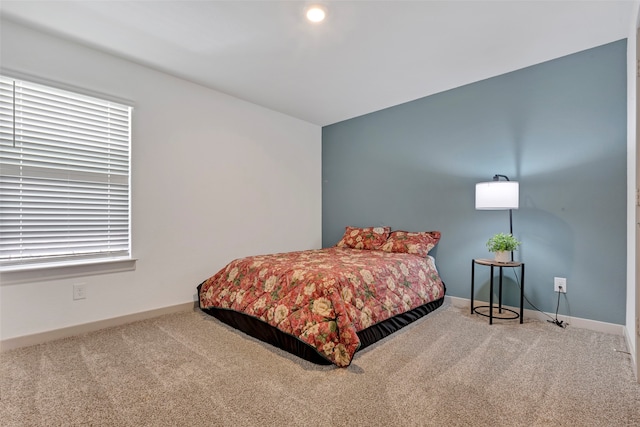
x=500 y=310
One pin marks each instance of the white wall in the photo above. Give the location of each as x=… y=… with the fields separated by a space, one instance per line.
x=632 y=181
x=214 y=178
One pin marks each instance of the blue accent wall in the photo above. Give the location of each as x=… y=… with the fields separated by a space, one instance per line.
x=559 y=128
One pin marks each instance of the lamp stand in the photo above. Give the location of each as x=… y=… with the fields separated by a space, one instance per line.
x=497 y=177
x=511 y=227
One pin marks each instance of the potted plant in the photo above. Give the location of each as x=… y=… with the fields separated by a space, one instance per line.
x=503 y=244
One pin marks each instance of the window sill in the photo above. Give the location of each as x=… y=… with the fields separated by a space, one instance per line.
x=61 y=270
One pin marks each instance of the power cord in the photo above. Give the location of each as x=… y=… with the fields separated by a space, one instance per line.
x=555 y=321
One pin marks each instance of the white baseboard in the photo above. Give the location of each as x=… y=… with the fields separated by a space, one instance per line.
x=42 y=337
x=575 y=322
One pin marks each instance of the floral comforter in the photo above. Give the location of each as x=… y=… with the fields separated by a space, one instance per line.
x=324 y=297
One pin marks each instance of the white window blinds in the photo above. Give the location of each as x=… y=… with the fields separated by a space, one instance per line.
x=64 y=175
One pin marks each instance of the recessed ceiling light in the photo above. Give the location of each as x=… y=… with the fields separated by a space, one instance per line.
x=316 y=13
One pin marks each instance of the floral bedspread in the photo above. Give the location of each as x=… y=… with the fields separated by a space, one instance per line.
x=324 y=296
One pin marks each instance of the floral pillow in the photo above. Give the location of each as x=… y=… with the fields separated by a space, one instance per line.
x=364 y=238
x=419 y=243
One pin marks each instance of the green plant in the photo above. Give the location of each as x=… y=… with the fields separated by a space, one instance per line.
x=503 y=242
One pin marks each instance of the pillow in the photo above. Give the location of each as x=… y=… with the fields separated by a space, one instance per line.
x=364 y=238
x=419 y=243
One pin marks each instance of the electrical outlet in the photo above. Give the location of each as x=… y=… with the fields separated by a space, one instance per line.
x=560 y=284
x=79 y=291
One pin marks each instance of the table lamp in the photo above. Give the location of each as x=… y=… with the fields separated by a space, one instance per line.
x=498 y=195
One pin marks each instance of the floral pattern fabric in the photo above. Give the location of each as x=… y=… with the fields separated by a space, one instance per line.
x=364 y=238
x=419 y=243
x=324 y=297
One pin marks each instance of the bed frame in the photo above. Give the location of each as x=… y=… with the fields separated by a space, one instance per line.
x=264 y=332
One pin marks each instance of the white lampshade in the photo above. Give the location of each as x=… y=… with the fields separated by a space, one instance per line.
x=497 y=195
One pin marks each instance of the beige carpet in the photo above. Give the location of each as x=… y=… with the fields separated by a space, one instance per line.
x=447 y=369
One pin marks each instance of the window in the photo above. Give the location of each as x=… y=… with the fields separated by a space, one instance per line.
x=64 y=176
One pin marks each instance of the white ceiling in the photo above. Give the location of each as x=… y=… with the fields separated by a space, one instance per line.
x=366 y=56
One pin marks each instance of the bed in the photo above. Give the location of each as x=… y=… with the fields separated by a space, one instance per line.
x=324 y=305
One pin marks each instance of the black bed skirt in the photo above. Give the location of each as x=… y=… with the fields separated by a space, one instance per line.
x=264 y=332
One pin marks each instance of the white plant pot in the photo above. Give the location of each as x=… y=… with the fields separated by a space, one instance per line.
x=503 y=256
